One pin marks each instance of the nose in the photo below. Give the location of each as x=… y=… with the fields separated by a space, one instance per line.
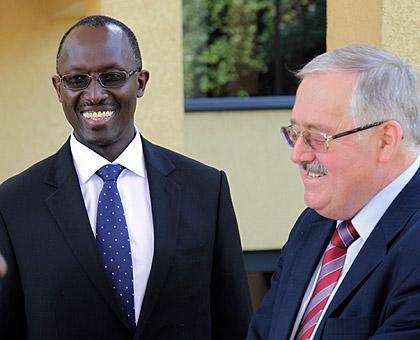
x=302 y=152
x=95 y=92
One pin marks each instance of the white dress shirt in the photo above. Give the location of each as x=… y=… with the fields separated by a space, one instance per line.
x=133 y=187
x=364 y=222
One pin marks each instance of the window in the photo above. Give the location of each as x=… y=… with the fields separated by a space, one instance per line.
x=246 y=48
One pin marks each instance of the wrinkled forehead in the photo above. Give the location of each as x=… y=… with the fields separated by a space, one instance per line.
x=323 y=101
x=96 y=49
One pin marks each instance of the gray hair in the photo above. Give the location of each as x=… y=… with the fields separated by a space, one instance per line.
x=386 y=86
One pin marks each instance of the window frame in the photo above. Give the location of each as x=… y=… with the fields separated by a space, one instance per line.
x=254 y=103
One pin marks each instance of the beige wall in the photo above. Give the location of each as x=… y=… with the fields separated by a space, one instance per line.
x=393 y=25
x=32 y=123
x=353 y=21
x=265 y=187
x=401 y=28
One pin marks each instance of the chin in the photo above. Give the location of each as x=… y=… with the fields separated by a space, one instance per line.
x=321 y=207
x=312 y=200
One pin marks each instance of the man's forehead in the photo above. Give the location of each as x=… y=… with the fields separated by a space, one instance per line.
x=86 y=33
x=96 y=48
x=320 y=84
x=323 y=100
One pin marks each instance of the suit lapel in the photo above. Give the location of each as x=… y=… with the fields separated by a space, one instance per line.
x=377 y=245
x=165 y=198
x=67 y=206
x=370 y=256
x=295 y=281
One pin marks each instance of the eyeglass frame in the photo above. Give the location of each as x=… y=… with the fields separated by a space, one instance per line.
x=327 y=138
x=98 y=75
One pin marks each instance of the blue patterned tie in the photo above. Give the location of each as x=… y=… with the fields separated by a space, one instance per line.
x=113 y=240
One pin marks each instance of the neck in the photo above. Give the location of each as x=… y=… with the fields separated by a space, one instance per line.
x=110 y=151
x=402 y=162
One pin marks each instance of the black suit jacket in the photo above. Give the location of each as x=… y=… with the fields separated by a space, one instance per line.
x=56 y=287
x=379 y=298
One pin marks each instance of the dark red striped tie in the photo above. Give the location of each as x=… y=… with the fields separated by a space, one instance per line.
x=331 y=267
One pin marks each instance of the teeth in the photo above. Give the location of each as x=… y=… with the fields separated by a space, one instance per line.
x=97 y=115
x=315 y=174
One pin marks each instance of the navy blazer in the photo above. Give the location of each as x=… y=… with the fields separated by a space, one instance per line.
x=56 y=287
x=380 y=296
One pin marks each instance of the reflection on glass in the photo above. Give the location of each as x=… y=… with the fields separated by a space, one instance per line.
x=249 y=47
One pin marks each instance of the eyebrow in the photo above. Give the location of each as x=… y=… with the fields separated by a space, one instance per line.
x=311 y=126
x=84 y=68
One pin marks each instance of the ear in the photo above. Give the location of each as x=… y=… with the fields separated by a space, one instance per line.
x=56 y=81
x=390 y=139
x=142 y=80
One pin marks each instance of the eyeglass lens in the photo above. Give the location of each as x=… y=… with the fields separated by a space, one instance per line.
x=82 y=81
x=315 y=141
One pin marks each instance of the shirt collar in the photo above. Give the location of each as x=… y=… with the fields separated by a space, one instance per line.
x=366 y=219
x=87 y=161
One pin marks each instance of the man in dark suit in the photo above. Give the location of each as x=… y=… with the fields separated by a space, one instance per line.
x=179 y=256
x=350 y=268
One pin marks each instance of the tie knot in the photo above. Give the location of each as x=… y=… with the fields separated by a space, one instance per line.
x=344 y=235
x=110 y=172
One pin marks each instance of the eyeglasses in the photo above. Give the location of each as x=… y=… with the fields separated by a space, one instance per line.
x=318 y=141
x=81 y=81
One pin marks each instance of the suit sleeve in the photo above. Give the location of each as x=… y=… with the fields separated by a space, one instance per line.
x=230 y=302
x=12 y=312
x=260 y=325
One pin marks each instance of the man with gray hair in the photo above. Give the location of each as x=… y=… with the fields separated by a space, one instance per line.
x=350 y=268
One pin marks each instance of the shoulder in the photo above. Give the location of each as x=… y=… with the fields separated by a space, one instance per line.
x=22 y=190
x=304 y=224
x=32 y=177
x=35 y=172
x=309 y=216
x=407 y=240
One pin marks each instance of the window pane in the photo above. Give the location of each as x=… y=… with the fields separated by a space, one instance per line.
x=249 y=47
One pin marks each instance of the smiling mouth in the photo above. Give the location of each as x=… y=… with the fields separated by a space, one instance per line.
x=313 y=173
x=98 y=115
